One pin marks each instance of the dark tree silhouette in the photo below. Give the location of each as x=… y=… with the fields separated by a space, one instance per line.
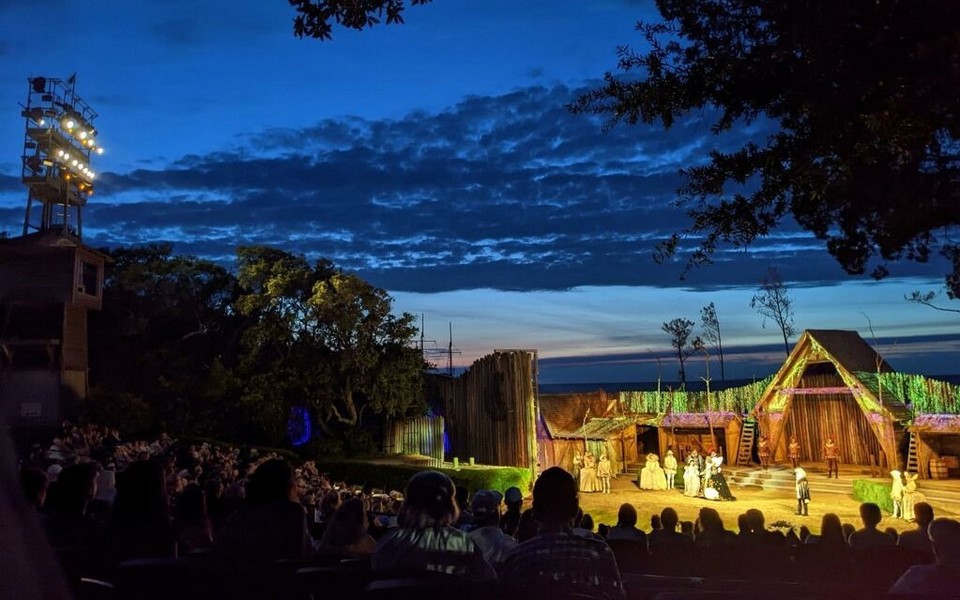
x=680 y=330
x=315 y=18
x=711 y=333
x=865 y=100
x=774 y=303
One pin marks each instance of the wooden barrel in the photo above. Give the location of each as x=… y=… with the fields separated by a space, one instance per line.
x=938 y=468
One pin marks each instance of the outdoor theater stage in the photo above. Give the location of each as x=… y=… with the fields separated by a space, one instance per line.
x=771 y=491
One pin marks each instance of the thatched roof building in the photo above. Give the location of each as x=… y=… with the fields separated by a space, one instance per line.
x=829 y=386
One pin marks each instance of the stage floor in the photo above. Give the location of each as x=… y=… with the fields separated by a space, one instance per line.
x=776 y=504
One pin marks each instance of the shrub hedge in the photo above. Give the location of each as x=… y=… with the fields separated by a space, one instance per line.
x=392 y=476
x=865 y=490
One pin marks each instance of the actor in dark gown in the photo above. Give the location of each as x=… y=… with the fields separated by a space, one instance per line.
x=716 y=480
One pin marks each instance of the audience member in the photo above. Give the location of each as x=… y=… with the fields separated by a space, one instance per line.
x=140 y=520
x=426 y=541
x=510 y=521
x=347 y=532
x=710 y=532
x=270 y=524
x=34 y=483
x=918 y=540
x=191 y=522
x=831 y=532
x=492 y=541
x=556 y=557
x=668 y=538
x=626 y=527
x=869 y=535
x=941 y=579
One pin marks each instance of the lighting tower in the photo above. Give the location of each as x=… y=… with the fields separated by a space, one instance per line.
x=59 y=142
x=49 y=279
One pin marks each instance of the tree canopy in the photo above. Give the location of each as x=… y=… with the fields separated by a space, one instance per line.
x=316 y=18
x=864 y=97
x=189 y=346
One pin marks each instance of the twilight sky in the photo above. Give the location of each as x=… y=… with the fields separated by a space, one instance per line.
x=438 y=161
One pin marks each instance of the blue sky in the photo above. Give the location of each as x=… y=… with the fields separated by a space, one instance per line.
x=437 y=160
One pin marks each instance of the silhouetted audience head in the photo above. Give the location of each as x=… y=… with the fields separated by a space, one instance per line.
x=848 y=529
x=831 y=531
x=428 y=501
x=76 y=487
x=191 y=507
x=348 y=525
x=923 y=513
x=34 y=483
x=710 y=521
x=870 y=515
x=627 y=515
x=555 y=499
x=528 y=525
x=669 y=519
x=945 y=540
x=485 y=507
x=655 y=522
x=755 y=520
x=586 y=522
x=271 y=482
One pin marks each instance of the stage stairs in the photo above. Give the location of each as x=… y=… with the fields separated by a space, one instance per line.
x=942 y=494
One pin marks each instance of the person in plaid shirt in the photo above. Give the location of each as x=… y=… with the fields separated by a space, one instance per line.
x=556 y=557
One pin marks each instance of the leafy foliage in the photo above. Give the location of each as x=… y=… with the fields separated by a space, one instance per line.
x=227 y=356
x=864 y=99
x=735 y=399
x=322 y=339
x=924 y=395
x=316 y=18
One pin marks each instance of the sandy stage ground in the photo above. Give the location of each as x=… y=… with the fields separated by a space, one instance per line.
x=777 y=505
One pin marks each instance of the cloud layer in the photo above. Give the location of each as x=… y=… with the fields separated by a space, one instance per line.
x=508 y=192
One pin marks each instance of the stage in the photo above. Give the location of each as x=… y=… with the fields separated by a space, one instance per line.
x=772 y=492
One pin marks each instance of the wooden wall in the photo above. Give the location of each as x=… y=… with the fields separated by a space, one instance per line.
x=491 y=413
x=420 y=435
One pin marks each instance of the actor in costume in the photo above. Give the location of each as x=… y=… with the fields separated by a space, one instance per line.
x=793 y=451
x=716 y=480
x=670 y=468
x=577 y=465
x=831 y=454
x=896 y=494
x=588 y=474
x=910 y=496
x=604 y=473
x=763 y=451
x=803 y=492
x=691 y=475
x=652 y=476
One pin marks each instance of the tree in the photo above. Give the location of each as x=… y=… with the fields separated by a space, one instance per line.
x=680 y=330
x=315 y=17
x=864 y=97
x=166 y=320
x=928 y=299
x=774 y=303
x=325 y=340
x=711 y=332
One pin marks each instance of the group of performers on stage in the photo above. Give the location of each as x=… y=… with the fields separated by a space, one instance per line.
x=593 y=475
x=702 y=476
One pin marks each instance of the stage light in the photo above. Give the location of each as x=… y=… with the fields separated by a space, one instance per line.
x=83 y=135
x=68 y=123
x=99 y=150
x=38 y=84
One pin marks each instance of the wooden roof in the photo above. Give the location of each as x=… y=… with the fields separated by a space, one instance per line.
x=564 y=415
x=943 y=424
x=698 y=420
x=855 y=361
